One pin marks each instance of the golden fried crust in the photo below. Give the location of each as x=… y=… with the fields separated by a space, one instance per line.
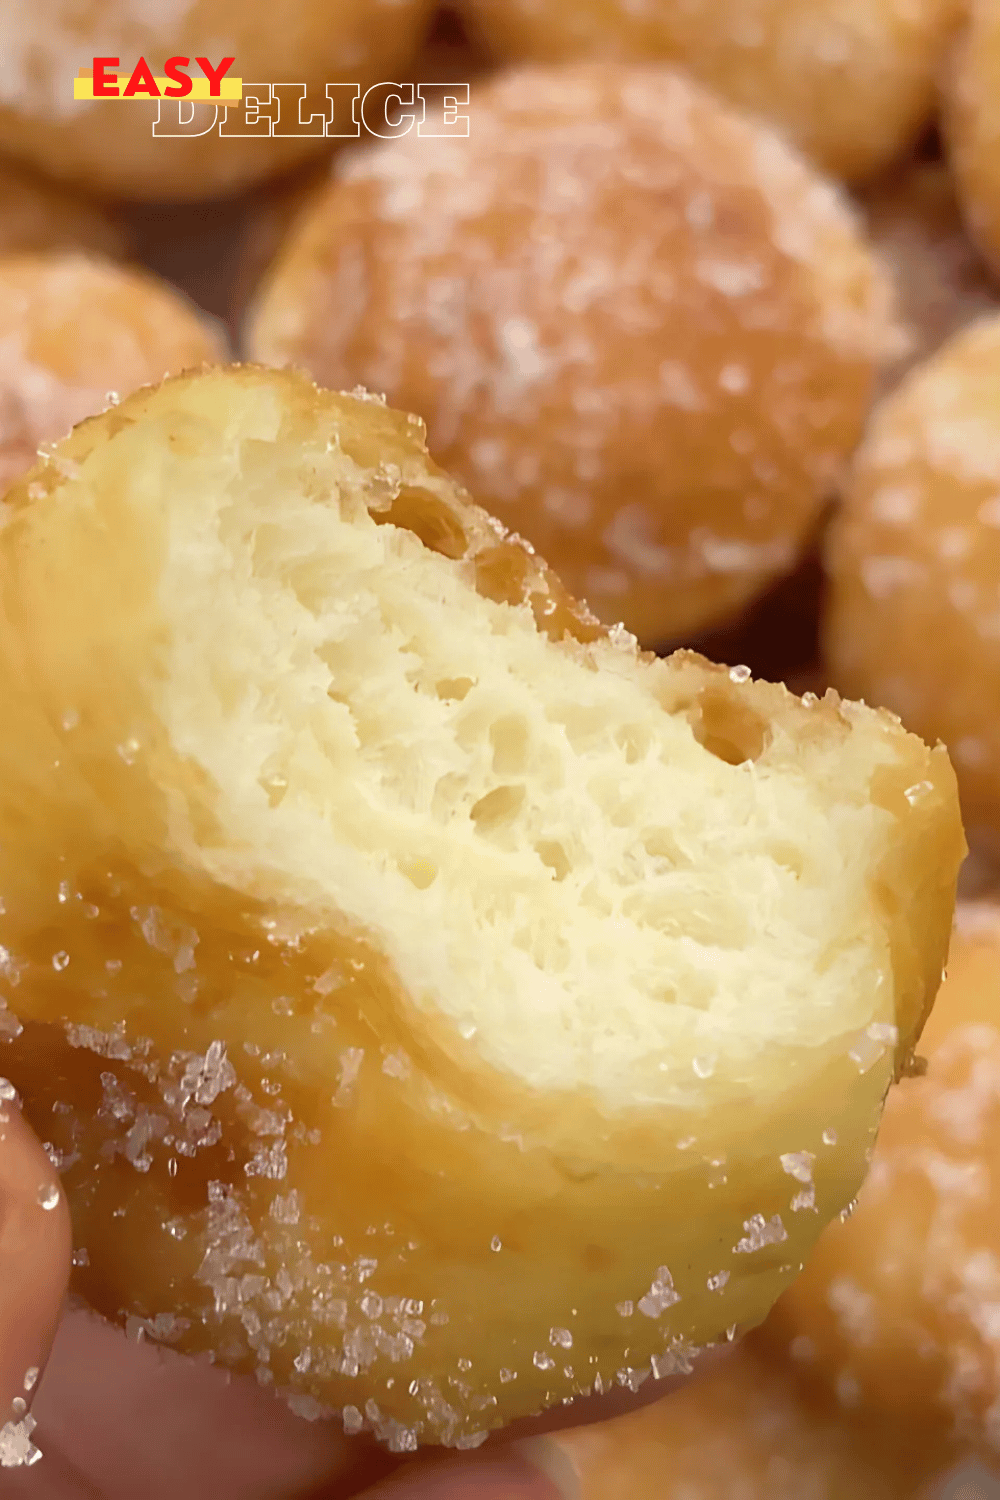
x=640 y=329
x=913 y=558
x=744 y=1428
x=276 y=206
x=77 y=334
x=102 y=147
x=852 y=84
x=893 y=1313
x=969 y=111
x=272 y=1148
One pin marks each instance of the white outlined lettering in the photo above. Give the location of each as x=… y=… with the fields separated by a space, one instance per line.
x=292 y=117
x=343 y=121
x=387 y=110
x=252 y=116
x=182 y=117
x=442 y=104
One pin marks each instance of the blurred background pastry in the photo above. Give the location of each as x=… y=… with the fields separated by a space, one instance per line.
x=640 y=328
x=75 y=335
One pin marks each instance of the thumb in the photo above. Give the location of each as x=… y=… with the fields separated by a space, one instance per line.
x=35 y=1243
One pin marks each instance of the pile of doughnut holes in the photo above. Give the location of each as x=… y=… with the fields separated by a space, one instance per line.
x=705 y=306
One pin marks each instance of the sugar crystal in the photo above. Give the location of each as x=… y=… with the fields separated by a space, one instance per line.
x=759 y=1233
x=16 y=1448
x=353 y=1420
x=660 y=1296
x=798 y=1164
x=48 y=1195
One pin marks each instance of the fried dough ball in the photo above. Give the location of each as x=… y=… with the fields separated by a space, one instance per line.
x=77 y=333
x=639 y=328
x=36 y=215
x=896 y=1311
x=447 y=57
x=912 y=620
x=110 y=146
x=744 y=1431
x=940 y=277
x=850 y=82
x=392 y=956
x=973 y=124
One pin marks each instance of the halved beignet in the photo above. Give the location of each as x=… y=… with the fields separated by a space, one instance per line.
x=435 y=1005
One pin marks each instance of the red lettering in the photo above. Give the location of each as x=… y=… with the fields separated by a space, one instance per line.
x=105 y=83
x=174 y=68
x=215 y=75
x=141 y=82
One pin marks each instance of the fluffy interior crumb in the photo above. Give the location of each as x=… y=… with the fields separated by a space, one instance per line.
x=545 y=853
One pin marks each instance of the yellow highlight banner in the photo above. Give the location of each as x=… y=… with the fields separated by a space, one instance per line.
x=230 y=90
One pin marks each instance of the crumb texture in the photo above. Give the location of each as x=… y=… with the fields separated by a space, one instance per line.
x=364 y=899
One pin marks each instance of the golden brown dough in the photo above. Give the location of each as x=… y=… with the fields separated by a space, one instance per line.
x=972 y=123
x=912 y=618
x=447 y=57
x=75 y=335
x=396 y=955
x=895 y=1314
x=110 y=147
x=639 y=328
x=942 y=281
x=745 y=1431
x=37 y=215
x=851 y=82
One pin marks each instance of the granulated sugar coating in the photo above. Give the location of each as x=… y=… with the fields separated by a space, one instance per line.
x=972 y=83
x=897 y=1310
x=114 y=151
x=851 y=82
x=941 y=279
x=75 y=335
x=913 y=611
x=639 y=328
x=364 y=905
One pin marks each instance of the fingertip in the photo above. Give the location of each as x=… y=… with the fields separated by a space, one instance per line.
x=35 y=1257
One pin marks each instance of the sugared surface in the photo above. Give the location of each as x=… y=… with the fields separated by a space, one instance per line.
x=639 y=328
x=418 y=1083
x=896 y=1312
x=851 y=82
x=745 y=1431
x=913 y=607
x=972 y=84
x=103 y=146
x=76 y=335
